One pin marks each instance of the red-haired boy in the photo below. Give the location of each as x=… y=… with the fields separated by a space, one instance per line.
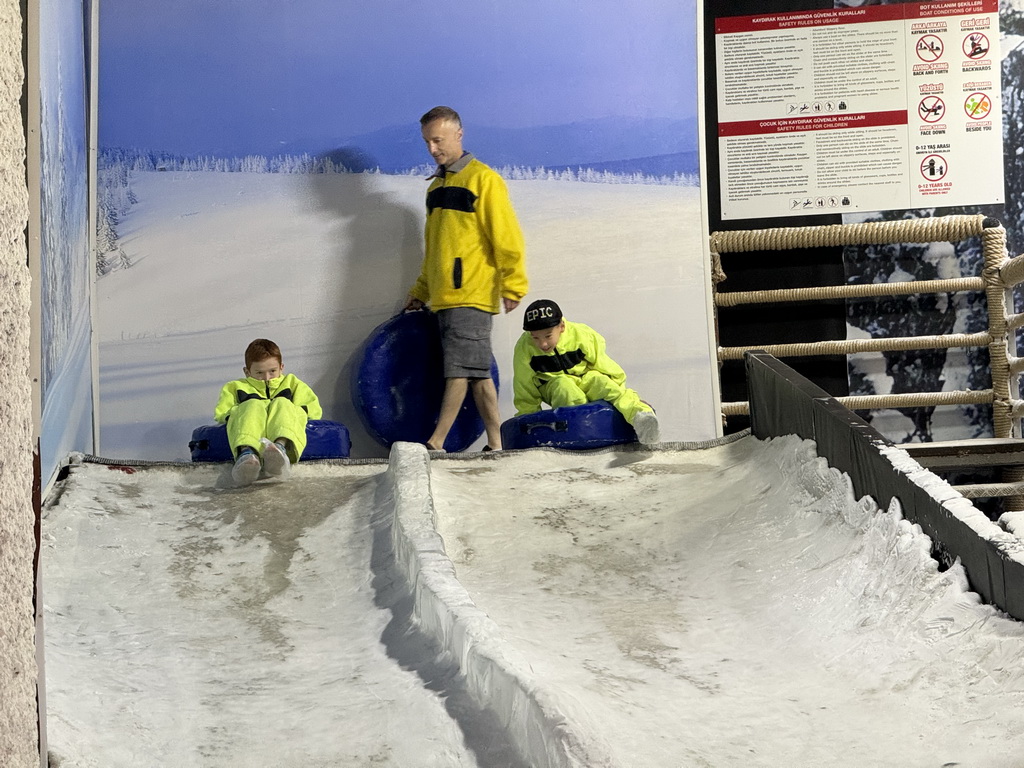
x=266 y=415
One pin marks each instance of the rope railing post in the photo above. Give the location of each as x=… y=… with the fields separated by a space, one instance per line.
x=993 y=242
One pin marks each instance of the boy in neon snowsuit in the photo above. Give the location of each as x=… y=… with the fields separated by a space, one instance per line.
x=266 y=415
x=560 y=363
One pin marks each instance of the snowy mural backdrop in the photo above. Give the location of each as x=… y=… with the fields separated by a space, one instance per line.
x=262 y=174
x=65 y=320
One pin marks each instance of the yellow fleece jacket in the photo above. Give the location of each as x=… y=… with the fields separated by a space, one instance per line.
x=474 y=249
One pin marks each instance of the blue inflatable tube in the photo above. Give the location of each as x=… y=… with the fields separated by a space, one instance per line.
x=580 y=427
x=399 y=382
x=324 y=440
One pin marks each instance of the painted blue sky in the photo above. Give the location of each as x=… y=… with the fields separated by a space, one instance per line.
x=246 y=75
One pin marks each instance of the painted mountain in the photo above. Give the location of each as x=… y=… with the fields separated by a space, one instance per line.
x=621 y=145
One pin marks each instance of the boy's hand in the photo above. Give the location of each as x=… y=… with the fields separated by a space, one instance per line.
x=412 y=303
x=510 y=304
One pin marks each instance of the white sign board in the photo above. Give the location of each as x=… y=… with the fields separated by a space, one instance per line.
x=886 y=107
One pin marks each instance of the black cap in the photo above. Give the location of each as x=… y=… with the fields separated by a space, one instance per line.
x=541 y=314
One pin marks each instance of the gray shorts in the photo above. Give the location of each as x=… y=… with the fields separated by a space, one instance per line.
x=466 y=342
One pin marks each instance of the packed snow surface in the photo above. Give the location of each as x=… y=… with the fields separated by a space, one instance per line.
x=727 y=606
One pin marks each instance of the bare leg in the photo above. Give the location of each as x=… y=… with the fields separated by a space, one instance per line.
x=454 y=394
x=486 y=398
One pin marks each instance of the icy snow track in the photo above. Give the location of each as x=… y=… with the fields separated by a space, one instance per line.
x=730 y=606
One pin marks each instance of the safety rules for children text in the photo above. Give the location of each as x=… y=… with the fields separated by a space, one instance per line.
x=872 y=108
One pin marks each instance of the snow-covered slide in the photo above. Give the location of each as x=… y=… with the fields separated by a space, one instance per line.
x=192 y=625
x=732 y=605
x=651 y=614
x=720 y=604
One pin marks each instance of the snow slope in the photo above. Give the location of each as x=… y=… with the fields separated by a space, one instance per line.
x=190 y=625
x=728 y=606
x=734 y=606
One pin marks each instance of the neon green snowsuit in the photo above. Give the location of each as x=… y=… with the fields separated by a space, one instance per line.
x=576 y=371
x=273 y=409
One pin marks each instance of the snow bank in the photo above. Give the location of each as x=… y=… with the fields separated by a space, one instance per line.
x=498 y=676
x=1007 y=542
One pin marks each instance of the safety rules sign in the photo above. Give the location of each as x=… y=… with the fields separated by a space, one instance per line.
x=882 y=107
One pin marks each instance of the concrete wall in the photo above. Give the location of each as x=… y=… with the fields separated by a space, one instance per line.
x=18 y=722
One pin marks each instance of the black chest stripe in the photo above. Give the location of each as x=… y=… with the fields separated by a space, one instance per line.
x=241 y=396
x=451 y=198
x=560 y=361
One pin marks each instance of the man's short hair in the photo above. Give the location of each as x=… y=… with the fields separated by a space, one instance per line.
x=262 y=349
x=441 y=113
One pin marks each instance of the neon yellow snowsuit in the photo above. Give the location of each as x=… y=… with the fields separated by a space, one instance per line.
x=576 y=371
x=474 y=250
x=273 y=409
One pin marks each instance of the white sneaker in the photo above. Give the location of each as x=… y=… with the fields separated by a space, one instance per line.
x=246 y=469
x=275 y=459
x=645 y=424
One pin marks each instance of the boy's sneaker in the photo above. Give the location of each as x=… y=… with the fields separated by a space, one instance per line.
x=275 y=459
x=645 y=424
x=246 y=469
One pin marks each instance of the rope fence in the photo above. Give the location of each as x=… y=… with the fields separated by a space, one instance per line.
x=901 y=400
x=856 y=346
x=999 y=275
x=825 y=292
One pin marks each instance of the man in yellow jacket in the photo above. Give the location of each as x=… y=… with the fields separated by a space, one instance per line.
x=474 y=266
x=266 y=414
x=560 y=363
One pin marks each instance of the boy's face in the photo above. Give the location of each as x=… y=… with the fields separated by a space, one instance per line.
x=265 y=370
x=547 y=339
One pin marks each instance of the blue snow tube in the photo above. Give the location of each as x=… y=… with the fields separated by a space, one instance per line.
x=324 y=440
x=399 y=382
x=592 y=425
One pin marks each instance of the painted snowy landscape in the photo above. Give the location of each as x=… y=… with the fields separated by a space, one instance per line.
x=212 y=260
x=64 y=279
